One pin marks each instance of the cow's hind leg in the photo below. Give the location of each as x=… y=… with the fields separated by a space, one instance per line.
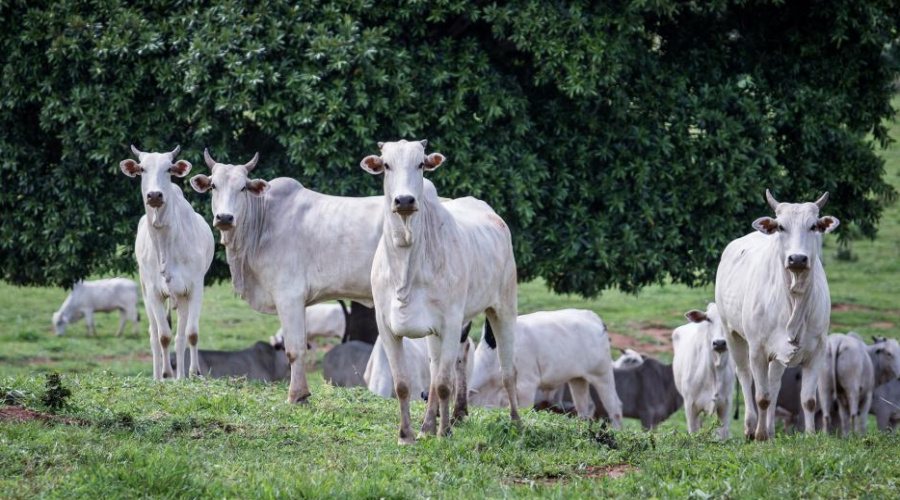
x=776 y=370
x=503 y=325
x=160 y=334
x=461 y=407
x=122 y=318
x=605 y=385
x=865 y=406
x=445 y=381
x=740 y=354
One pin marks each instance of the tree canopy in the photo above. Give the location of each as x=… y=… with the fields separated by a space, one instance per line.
x=625 y=142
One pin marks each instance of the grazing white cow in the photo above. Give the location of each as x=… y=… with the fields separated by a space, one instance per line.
x=437 y=266
x=704 y=374
x=88 y=297
x=174 y=249
x=553 y=348
x=849 y=380
x=774 y=301
x=289 y=247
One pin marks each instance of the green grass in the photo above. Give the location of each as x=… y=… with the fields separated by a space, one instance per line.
x=134 y=437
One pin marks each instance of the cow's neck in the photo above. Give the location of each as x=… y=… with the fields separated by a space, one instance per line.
x=242 y=243
x=800 y=291
x=166 y=228
x=410 y=245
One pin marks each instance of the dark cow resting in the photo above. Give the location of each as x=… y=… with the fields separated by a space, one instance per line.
x=345 y=364
x=259 y=362
x=647 y=392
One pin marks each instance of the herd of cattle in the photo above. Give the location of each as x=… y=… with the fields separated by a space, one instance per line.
x=430 y=265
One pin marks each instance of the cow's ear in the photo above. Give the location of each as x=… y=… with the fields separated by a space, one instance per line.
x=130 y=167
x=257 y=186
x=695 y=316
x=766 y=225
x=827 y=224
x=201 y=183
x=433 y=161
x=180 y=168
x=372 y=164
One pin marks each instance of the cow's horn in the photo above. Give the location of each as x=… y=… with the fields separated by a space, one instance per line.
x=772 y=201
x=208 y=159
x=175 y=152
x=252 y=163
x=137 y=152
x=821 y=201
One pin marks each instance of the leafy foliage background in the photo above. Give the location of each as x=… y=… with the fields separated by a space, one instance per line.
x=625 y=142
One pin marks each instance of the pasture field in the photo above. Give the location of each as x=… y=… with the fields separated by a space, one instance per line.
x=122 y=435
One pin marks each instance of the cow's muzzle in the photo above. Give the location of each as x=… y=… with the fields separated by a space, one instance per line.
x=225 y=222
x=405 y=205
x=155 y=199
x=719 y=346
x=798 y=262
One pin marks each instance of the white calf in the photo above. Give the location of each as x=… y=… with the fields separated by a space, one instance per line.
x=704 y=374
x=553 y=348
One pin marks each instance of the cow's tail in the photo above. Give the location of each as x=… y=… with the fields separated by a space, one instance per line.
x=834 y=356
x=169 y=311
x=488 y=335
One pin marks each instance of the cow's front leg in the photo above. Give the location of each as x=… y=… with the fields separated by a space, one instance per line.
x=292 y=313
x=432 y=406
x=393 y=348
x=808 y=387
x=759 y=365
x=89 y=322
x=446 y=376
x=776 y=371
x=194 y=308
x=740 y=354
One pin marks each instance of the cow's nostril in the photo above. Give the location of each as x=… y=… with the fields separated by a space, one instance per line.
x=225 y=218
x=798 y=260
x=405 y=203
x=154 y=195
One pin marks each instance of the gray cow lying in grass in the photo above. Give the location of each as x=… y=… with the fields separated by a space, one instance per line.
x=88 y=297
x=263 y=362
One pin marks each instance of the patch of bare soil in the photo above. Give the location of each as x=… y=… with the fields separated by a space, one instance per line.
x=18 y=414
x=43 y=360
x=662 y=337
x=613 y=471
x=882 y=325
x=843 y=306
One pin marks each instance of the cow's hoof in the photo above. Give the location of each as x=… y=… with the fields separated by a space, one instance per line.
x=761 y=436
x=458 y=417
x=167 y=376
x=427 y=430
x=300 y=401
x=406 y=437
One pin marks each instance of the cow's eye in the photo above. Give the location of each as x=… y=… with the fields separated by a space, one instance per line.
x=387 y=167
x=421 y=165
x=243 y=189
x=212 y=186
x=781 y=228
x=814 y=227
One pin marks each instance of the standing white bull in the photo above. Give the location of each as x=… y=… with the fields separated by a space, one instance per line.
x=289 y=247
x=848 y=379
x=437 y=266
x=88 y=297
x=704 y=374
x=174 y=249
x=553 y=348
x=774 y=301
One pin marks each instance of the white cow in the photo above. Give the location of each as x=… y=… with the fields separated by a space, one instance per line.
x=848 y=379
x=437 y=266
x=289 y=247
x=174 y=249
x=553 y=348
x=704 y=374
x=773 y=297
x=88 y=297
